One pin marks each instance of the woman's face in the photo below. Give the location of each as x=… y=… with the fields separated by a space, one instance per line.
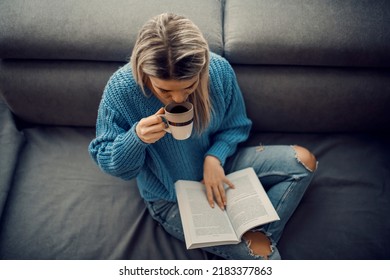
x=173 y=90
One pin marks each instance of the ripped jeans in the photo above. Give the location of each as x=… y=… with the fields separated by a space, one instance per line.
x=283 y=176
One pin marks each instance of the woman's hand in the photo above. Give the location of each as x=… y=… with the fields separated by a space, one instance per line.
x=214 y=179
x=151 y=129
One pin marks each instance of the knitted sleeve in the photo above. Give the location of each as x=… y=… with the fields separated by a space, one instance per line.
x=234 y=126
x=117 y=149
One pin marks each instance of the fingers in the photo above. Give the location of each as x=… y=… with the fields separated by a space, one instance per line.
x=160 y=111
x=220 y=196
x=210 y=197
x=151 y=129
x=229 y=183
x=216 y=193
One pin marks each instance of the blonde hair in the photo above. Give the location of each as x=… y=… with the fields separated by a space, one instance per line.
x=171 y=47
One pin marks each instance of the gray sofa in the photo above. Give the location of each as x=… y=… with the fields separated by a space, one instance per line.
x=314 y=73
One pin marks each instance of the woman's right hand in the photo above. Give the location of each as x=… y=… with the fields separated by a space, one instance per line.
x=151 y=129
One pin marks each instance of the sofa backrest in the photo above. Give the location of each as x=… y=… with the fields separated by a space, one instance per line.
x=303 y=66
x=58 y=55
x=311 y=65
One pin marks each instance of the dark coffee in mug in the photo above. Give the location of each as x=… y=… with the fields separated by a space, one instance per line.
x=178 y=109
x=179 y=118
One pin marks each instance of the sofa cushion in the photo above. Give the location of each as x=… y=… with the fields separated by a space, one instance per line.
x=344 y=212
x=61 y=206
x=309 y=32
x=92 y=30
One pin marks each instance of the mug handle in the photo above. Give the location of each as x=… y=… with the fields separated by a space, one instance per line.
x=167 y=129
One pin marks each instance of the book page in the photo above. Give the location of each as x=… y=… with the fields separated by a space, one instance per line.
x=203 y=225
x=248 y=205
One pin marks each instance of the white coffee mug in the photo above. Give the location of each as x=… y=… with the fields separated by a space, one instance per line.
x=179 y=118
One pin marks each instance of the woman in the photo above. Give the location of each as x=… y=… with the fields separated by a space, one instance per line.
x=171 y=62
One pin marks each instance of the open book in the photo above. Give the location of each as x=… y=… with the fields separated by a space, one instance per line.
x=248 y=206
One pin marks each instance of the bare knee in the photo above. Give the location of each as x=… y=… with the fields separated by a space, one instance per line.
x=306 y=158
x=258 y=243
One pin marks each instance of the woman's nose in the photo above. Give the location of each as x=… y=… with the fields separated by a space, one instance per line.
x=179 y=97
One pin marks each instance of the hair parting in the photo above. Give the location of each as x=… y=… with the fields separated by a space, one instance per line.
x=171 y=47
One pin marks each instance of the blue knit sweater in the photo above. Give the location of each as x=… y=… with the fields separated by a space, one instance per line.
x=118 y=150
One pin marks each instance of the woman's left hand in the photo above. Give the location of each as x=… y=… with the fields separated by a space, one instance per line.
x=214 y=179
